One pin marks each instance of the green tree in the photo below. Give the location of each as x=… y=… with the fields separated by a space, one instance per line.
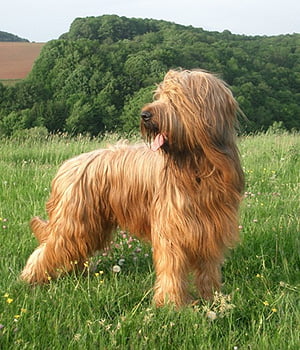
x=130 y=118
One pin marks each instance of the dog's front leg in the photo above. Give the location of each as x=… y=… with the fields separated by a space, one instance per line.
x=171 y=267
x=208 y=277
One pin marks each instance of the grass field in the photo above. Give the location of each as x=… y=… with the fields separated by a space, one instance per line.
x=17 y=59
x=259 y=307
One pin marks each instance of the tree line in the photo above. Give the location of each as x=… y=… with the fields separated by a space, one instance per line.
x=96 y=77
x=4 y=36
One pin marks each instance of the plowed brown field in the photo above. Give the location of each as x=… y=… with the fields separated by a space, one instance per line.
x=16 y=59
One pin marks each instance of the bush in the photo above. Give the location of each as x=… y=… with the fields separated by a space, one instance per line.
x=277 y=128
x=34 y=134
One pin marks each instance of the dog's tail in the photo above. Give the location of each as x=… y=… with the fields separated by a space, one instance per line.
x=38 y=227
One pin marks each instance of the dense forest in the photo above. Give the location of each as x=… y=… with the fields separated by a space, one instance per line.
x=96 y=77
x=4 y=36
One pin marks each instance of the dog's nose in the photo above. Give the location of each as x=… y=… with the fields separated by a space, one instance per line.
x=146 y=116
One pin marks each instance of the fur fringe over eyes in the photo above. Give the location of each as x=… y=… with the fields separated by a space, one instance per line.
x=181 y=193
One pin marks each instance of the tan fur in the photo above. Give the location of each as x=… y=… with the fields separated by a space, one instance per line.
x=183 y=198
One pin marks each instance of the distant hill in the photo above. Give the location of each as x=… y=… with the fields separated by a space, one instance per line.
x=4 y=36
x=96 y=77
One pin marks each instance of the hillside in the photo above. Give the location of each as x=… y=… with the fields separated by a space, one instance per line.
x=17 y=58
x=97 y=76
x=4 y=36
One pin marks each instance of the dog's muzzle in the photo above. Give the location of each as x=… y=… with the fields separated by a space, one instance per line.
x=148 y=125
x=146 y=116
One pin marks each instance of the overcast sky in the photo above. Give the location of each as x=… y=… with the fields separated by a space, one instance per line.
x=43 y=20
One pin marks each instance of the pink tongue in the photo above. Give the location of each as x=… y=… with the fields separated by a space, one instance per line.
x=158 y=142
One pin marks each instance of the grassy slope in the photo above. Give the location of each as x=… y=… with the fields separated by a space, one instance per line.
x=104 y=310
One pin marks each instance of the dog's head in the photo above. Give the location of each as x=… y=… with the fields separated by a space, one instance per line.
x=191 y=111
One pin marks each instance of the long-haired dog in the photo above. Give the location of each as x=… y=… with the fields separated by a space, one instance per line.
x=182 y=194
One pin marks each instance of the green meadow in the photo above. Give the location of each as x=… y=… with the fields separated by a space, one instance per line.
x=109 y=305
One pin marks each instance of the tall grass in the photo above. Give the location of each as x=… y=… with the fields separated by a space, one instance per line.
x=103 y=309
x=10 y=82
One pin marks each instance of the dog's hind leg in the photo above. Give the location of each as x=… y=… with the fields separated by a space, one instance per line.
x=51 y=258
x=67 y=247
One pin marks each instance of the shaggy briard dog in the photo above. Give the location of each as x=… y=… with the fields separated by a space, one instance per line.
x=182 y=193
